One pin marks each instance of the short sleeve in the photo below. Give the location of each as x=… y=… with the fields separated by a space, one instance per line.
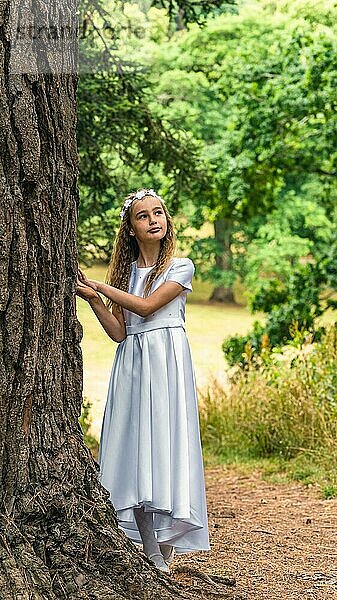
x=182 y=272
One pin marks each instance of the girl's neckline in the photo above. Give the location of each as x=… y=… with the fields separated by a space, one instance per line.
x=150 y=267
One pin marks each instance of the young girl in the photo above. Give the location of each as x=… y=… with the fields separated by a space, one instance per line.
x=150 y=452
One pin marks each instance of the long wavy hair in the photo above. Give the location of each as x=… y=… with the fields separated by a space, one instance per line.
x=126 y=250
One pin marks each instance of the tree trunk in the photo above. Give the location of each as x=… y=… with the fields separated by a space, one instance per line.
x=223 y=259
x=58 y=532
x=179 y=20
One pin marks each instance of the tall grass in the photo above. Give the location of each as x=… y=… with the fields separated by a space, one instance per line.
x=285 y=409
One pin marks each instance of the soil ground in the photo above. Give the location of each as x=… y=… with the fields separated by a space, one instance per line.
x=278 y=541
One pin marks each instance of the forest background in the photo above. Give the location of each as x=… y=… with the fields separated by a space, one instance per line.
x=232 y=120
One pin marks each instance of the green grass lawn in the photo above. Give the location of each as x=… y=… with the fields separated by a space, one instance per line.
x=207 y=325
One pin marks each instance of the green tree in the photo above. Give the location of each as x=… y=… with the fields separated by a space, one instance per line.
x=290 y=272
x=257 y=91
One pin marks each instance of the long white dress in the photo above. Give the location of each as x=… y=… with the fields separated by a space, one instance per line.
x=150 y=450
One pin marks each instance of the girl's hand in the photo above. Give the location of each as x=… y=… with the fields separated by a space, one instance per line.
x=88 y=282
x=85 y=292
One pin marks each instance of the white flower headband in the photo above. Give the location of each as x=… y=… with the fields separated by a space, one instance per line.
x=138 y=196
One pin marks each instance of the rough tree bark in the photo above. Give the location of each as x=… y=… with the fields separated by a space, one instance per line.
x=223 y=260
x=58 y=533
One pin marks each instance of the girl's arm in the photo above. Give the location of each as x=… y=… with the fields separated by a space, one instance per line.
x=140 y=306
x=113 y=324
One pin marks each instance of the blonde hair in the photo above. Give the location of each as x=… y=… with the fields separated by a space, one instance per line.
x=126 y=250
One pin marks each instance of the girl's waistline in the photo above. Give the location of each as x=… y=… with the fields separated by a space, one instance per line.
x=155 y=324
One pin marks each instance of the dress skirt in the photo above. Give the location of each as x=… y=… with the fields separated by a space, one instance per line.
x=150 y=451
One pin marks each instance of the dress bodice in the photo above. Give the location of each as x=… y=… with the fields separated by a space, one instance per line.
x=180 y=270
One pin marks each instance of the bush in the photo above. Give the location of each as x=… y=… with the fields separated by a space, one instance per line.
x=237 y=347
x=297 y=301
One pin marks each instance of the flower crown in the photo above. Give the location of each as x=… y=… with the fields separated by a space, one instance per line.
x=138 y=196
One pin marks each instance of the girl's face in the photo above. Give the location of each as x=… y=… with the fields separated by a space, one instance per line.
x=148 y=219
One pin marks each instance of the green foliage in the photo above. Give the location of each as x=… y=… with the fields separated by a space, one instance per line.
x=256 y=90
x=85 y=422
x=237 y=347
x=230 y=121
x=119 y=137
x=285 y=409
x=302 y=305
x=289 y=266
x=194 y=11
x=330 y=491
x=299 y=230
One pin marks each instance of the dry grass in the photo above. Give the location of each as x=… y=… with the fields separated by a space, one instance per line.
x=282 y=411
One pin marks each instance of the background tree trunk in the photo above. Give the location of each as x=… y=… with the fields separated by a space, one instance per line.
x=223 y=259
x=58 y=533
x=180 y=20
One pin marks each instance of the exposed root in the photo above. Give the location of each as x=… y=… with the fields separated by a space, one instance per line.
x=216 y=585
x=215 y=580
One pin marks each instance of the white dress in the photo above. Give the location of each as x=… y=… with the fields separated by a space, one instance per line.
x=150 y=450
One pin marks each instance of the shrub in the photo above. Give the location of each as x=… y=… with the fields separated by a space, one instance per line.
x=235 y=347
x=296 y=301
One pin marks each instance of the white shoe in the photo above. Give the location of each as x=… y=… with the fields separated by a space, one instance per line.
x=167 y=552
x=159 y=562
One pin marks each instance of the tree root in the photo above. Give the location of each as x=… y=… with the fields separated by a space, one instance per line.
x=74 y=552
x=215 y=580
x=217 y=583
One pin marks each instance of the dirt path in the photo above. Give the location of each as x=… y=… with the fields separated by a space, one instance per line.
x=278 y=541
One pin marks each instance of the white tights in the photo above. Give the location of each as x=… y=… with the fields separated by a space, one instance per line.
x=144 y=522
x=157 y=553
